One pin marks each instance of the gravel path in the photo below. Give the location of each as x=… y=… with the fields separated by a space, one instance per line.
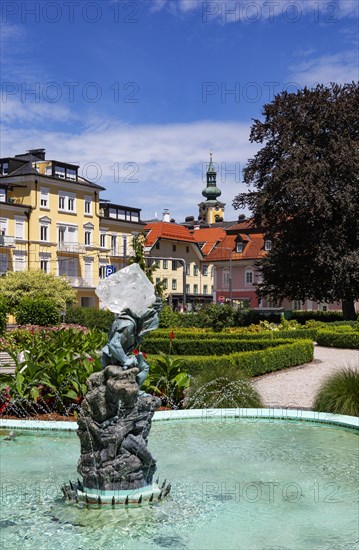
x=296 y=387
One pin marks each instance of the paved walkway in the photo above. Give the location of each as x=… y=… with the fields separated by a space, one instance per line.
x=296 y=387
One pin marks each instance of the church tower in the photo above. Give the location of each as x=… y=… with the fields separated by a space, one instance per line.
x=211 y=210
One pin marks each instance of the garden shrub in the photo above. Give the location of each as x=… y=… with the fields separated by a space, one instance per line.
x=38 y=311
x=168 y=317
x=51 y=374
x=221 y=387
x=338 y=338
x=339 y=394
x=324 y=316
x=253 y=363
x=3 y=316
x=211 y=346
x=234 y=334
x=90 y=317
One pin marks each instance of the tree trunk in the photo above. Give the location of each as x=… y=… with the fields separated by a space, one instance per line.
x=349 y=310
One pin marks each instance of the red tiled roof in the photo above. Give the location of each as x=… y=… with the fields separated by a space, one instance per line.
x=166 y=230
x=253 y=248
x=209 y=236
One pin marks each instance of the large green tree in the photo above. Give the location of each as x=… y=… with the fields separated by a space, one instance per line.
x=14 y=286
x=305 y=194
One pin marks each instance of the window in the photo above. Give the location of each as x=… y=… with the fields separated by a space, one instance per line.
x=103 y=240
x=19 y=228
x=188 y=289
x=165 y=264
x=158 y=245
x=61 y=235
x=187 y=249
x=44 y=265
x=61 y=202
x=195 y=289
x=4 y=263
x=4 y=168
x=2 y=195
x=174 y=248
x=88 y=206
x=124 y=245
x=205 y=270
x=158 y=280
x=67 y=202
x=165 y=283
x=205 y=289
x=113 y=244
x=44 y=233
x=19 y=261
x=267 y=245
x=188 y=269
x=174 y=284
x=239 y=247
x=249 y=277
x=44 y=199
x=87 y=238
x=174 y=265
x=60 y=172
x=297 y=305
x=71 y=174
x=225 y=278
x=195 y=270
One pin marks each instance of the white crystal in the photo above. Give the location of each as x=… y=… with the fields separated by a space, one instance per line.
x=127 y=288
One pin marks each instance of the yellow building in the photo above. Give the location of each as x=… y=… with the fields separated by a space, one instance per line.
x=52 y=219
x=181 y=264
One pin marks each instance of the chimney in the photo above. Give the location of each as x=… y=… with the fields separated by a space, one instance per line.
x=166 y=215
x=38 y=153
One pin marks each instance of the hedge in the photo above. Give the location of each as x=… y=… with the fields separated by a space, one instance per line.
x=324 y=316
x=338 y=339
x=211 y=346
x=253 y=363
x=90 y=317
x=240 y=335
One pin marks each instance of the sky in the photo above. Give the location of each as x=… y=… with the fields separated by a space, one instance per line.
x=139 y=92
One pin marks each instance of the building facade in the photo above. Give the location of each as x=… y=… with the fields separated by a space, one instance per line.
x=52 y=219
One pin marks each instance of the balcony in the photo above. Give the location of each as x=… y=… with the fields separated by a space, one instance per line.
x=6 y=240
x=73 y=248
x=80 y=282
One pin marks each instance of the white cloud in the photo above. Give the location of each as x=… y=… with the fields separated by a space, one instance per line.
x=340 y=68
x=168 y=160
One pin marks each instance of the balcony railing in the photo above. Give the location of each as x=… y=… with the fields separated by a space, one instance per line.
x=81 y=282
x=75 y=248
x=6 y=240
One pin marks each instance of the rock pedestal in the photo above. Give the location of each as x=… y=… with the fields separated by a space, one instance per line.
x=115 y=419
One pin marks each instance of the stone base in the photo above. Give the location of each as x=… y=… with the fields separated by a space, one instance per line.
x=77 y=493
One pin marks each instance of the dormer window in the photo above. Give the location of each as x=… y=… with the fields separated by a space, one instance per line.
x=239 y=246
x=267 y=245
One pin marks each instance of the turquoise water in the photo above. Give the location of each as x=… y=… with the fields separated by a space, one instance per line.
x=238 y=484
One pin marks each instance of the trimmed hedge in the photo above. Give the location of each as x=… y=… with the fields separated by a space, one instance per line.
x=324 y=316
x=37 y=311
x=240 y=335
x=211 y=346
x=253 y=363
x=90 y=317
x=338 y=339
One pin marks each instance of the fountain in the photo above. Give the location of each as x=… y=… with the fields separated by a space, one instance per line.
x=115 y=418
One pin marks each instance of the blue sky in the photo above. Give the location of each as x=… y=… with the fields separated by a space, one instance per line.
x=138 y=92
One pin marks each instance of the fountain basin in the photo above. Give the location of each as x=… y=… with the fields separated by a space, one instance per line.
x=258 y=479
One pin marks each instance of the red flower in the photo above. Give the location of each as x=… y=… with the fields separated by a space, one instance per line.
x=135 y=352
x=91 y=359
x=172 y=335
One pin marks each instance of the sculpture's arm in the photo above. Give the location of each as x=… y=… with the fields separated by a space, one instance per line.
x=115 y=347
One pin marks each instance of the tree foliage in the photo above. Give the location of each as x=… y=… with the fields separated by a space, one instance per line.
x=17 y=285
x=138 y=245
x=306 y=194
